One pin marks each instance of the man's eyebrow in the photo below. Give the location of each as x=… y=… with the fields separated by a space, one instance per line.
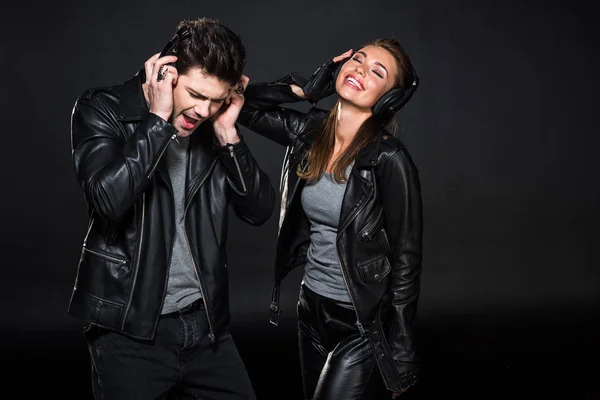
x=198 y=94
x=376 y=62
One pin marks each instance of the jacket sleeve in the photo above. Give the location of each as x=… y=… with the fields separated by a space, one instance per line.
x=401 y=194
x=253 y=196
x=112 y=171
x=263 y=114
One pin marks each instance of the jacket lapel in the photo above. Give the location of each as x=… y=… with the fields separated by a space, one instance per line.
x=360 y=187
x=359 y=190
x=201 y=159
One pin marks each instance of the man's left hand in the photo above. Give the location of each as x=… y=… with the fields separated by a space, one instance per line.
x=224 y=120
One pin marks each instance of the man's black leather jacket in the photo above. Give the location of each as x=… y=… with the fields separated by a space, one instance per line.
x=379 y=234
x=123 y=268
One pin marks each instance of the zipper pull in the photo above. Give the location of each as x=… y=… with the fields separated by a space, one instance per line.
x=360 y=328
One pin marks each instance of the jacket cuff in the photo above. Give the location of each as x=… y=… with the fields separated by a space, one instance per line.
x=293 y=78
x=265 y=95
x=409 y=378
x=158 y=126
x=159 y=133
x=237 y=160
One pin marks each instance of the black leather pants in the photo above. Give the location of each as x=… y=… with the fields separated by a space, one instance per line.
x=336 y=362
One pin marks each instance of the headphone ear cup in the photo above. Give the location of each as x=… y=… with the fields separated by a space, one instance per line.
x=389 y=103
x=336 y=72
x=338 y=67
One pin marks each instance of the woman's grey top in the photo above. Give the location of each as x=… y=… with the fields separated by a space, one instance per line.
x=322 y=203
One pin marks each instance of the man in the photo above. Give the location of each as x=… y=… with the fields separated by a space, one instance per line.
x=160 y=160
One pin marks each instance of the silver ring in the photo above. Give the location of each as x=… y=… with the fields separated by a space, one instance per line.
x=162 y=72
x=239 y=88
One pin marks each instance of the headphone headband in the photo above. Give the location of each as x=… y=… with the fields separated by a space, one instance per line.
x=181 y=34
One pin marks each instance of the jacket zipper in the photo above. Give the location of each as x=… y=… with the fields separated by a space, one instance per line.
x=361 y=330
x=386 y=242
x=160 y=156
x=366 y=233
x=88 y=231
x=237 y=165
x=211 y=334
x=108 y=257
x=138 y=259
x=208 y=170
x=87 y=234
x=358 y=324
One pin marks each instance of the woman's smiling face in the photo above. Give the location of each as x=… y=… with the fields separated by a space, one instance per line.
x=367 y=76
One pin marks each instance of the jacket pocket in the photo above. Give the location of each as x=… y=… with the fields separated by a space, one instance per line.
x=374 y=270
x=371 y=229
x=103 y=275
x=119 y=262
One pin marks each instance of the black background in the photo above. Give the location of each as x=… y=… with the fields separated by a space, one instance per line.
x=503 y=129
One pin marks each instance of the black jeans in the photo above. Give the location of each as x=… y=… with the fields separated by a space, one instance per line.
x=335 y=360
x=179 y=363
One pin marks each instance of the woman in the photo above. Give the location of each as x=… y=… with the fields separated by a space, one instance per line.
x=351 y=216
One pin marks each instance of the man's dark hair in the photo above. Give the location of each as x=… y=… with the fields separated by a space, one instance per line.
x=213 y=47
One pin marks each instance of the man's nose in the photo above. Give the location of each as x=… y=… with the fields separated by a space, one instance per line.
x=202 y=108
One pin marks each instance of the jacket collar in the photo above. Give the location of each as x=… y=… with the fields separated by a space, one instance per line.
x=133 y=105
x=368 y=156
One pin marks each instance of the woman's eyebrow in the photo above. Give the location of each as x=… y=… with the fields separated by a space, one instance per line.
x=362 y=53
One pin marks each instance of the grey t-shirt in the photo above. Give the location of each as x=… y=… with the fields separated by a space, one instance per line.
x=183 y=287
x=322 y=203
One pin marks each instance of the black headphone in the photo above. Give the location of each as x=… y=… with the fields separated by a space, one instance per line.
x=391 y=101
x=181 y=34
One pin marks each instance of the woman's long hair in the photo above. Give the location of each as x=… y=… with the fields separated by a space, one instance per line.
x=322 y=148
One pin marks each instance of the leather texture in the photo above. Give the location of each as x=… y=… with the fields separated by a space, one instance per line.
x=123 y=268
x=379 y=238
x=336 y=361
